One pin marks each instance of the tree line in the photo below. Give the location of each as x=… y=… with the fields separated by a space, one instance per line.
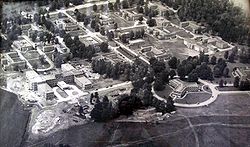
x=220 y=17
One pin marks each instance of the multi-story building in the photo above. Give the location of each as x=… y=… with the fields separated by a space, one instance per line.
x=181 y=88
x=22 y=45
x=46 y=91
x=243 y=73
x=34 y=79
x=12 y=61
x=131 y=15
x=83 y=82
x=66 y=24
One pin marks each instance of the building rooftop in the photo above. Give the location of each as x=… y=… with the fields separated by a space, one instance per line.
x=88 y=40
x=44 y=87
x=22 y=43
x=84 y=80
x=33 y=76
x=245 y=71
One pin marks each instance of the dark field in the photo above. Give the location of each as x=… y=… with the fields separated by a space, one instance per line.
x=192 y=98
x=225 y=123
x=13 y=120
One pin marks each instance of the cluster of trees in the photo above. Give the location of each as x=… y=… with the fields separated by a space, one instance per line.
x=57 y=4
x=13 y=33
x=190 y=68
x=136 y=34
x=151 y=22
x=220 y=69
x=40 y=19
x=161 y=74
x=193 y=67
x=220 y=17
x=103 y=110
x=242 y=85
x=119 y=70
x=43 y=36
x=81 y=17
x=77 y=48
x=244 y=55
x=132 y=35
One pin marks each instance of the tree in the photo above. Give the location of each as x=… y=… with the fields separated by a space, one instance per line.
x=115 y=26
x=226 y=55
x=33 y=37
x=95 y=8
x=91 y=99
x=231 y=58
x=105 y=99
x=140 y=19
x=86 y=21
x=102 y=112
x=181 y=72
x=236 y=81
x=221 y=83
x=35 y=66
x=102 y=31
x=213 y=60
x=225 y=72
x=104 y=47
x=93 y=24
x=173 y=63
x=159 y=85
x=58 y=60
x=172 y=73
x=110 y=35
x=131 y=35
x=151 y=22
x=192 y=77
x=225 y=82
x=97 y=28
x=124 y=4
x=110 y=6
x=66 y=3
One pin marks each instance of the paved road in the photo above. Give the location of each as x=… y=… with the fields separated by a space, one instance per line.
x=114 y=87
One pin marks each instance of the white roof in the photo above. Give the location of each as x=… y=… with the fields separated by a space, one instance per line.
x=33 y=76
x=67 y=67
x=83 y=80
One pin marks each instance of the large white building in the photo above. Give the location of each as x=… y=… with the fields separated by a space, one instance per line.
x=83 y=82
x=22 y=45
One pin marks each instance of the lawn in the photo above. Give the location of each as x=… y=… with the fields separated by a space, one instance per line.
x=165 y=93
x=184 y=34
x=193 y=98
x=227 y=88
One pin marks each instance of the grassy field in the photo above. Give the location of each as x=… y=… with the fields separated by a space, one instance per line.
x=193 y=98
x=14 y=120
x=166 y=92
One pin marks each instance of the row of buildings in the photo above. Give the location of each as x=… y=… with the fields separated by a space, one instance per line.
x=11 y=61
x=43 y=84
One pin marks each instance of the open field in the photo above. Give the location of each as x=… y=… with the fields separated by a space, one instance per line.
x=224 y=123
x=193 y=98
x=14 y=120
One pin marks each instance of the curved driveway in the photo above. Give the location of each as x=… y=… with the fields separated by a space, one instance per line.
x=213 y=97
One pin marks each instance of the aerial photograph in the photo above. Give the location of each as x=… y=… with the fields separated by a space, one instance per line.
x=125 y=73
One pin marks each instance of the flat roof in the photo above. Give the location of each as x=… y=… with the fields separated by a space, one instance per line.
x=84 y=80
x=33 y=76
x=67 y=67
x=44 y=87
x=22 y=43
